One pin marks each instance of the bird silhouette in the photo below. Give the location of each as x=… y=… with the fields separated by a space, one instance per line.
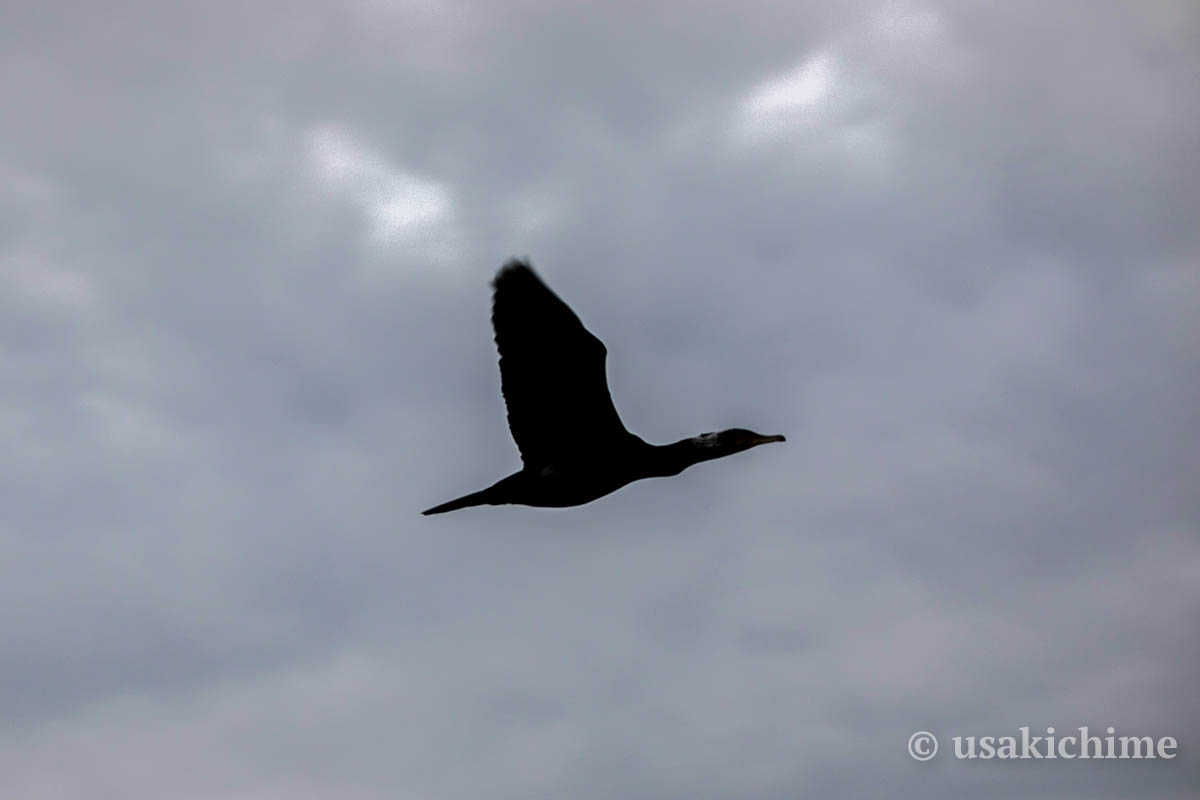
x=561 y=415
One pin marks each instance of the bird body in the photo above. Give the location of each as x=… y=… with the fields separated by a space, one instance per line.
x=573 y=445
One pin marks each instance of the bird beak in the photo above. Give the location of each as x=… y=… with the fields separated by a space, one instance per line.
x=765 y=439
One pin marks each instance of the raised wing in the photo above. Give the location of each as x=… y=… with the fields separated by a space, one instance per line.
x=551 y=372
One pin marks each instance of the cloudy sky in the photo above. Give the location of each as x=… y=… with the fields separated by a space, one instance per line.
x=949 y=249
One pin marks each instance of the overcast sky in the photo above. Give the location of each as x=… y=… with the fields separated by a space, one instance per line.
x=950 y=250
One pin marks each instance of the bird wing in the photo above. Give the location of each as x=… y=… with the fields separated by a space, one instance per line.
x=551 y=372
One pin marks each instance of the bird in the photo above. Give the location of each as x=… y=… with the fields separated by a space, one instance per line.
x=574 y=447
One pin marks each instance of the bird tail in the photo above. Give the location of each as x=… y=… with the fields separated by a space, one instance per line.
x=479 y=498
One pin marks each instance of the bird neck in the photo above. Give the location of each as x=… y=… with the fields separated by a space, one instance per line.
x=671 y=459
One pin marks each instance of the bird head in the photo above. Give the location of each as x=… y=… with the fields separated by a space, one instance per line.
x=734 y=440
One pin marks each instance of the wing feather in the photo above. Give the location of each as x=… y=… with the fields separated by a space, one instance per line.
x=552 y=373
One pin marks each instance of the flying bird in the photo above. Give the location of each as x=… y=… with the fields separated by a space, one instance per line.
x=573 y=445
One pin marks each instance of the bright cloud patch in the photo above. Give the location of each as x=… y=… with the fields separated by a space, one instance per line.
x=787 y=101
x=397 y=203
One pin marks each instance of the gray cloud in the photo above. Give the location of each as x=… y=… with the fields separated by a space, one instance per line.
x=948 y=249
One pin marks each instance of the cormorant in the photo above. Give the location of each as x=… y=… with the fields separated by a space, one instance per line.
x=572 y=442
